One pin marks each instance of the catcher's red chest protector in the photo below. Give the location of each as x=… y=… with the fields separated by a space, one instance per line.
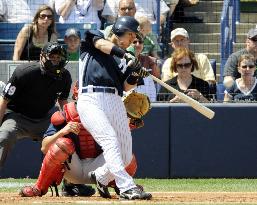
x=87 y=145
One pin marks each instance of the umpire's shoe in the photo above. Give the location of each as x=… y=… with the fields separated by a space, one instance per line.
x=102 y=189
x=69 y=189
x=135 y=193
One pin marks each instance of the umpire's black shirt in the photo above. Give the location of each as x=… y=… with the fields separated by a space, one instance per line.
x=32 y=93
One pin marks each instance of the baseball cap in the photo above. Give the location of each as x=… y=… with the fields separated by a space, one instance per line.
x=72 y=32
x=178 y=32
x=252 y=34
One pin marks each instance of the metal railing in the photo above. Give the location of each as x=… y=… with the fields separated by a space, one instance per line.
x=230 y=16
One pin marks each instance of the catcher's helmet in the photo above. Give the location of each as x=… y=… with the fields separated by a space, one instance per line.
x=49 y=68
x=124 y=24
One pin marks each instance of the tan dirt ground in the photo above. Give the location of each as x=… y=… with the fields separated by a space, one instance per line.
x=158 y=197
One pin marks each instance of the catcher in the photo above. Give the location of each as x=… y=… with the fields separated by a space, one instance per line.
x=71 y=152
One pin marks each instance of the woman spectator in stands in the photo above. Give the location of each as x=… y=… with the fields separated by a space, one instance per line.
x=34 y=36
x=244 y=89
x=184 y=63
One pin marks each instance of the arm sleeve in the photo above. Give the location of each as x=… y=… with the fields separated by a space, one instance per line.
x=52 y=129
x=14 y=85
x=110 y=8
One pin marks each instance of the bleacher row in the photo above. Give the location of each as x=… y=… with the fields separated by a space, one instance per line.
x=9 y=32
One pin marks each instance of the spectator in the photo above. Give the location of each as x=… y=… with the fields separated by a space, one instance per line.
x=151 y=46
x=125 y=8
x=180 y=39
x=179 y=14
x=72 y=40
x=34 y=36
x=128 y=8
x=172 y=5
x=79 y=11
x=146 y=86
x=230 y=70
x=244 y=89
x=15 y=11
x=144 y=8
x=184 y=63
x=30 y=96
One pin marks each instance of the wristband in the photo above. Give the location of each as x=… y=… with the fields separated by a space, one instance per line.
x=132 y=80
x=117 y=52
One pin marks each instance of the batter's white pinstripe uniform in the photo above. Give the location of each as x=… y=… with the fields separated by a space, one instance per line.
x=103 y=113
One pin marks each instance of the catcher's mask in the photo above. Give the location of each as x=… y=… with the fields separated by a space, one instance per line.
x=53 y=59
x=124 y=24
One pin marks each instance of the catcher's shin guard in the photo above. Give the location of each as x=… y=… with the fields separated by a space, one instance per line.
x=52 y=169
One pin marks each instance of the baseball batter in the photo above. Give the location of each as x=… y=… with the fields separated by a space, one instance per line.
x=105 y=71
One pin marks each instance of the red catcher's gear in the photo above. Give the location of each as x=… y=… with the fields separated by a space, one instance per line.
x=52 y=169
x=88 y=148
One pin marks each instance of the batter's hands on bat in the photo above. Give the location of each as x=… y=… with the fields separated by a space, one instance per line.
x=73 y=127
x=130 y=59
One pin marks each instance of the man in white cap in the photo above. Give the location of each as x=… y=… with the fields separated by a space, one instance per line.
x=230 y=70
x=179 y=38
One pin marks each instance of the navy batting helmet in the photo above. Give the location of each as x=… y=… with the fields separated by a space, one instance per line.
x=124 y=24
x=54 y=70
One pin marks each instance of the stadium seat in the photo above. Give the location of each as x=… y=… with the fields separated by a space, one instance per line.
x=220 y=92
x=62 y=27
x=10 y=30
x=6 y=51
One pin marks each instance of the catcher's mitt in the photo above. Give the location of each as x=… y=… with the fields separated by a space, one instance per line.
x=137 y=104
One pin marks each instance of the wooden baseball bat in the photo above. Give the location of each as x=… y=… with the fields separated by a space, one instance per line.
x=193 y=103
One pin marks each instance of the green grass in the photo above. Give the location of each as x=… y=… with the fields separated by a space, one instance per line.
x=164 y=185
x=191 y=185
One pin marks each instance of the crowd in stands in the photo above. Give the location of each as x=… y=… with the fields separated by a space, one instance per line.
x=41 y=17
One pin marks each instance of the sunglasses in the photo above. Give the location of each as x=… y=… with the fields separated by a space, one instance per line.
x=135 y=42
x=185 y=65
x=43 y=16
x=249 y=66
x=127 y=8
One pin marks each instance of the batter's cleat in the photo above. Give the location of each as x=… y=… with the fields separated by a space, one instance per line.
x=29 y=191
x=117 y=191
x=135 y=193
x=102 y=189
x=69 y=189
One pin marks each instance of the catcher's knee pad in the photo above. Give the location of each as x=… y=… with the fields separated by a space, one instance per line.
x=62 y=149
x=52 y=169
x=131 y=168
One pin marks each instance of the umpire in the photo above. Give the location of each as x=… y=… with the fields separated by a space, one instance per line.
x=30 y=95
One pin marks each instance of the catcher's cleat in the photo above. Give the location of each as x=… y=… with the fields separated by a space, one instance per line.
x=135 y=193
x=29 y=191
x=69 y=189
x=102 y=189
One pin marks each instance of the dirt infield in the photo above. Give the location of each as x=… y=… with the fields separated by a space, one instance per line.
x=158 y=197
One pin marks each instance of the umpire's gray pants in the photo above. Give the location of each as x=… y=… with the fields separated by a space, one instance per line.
x=16 y=126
